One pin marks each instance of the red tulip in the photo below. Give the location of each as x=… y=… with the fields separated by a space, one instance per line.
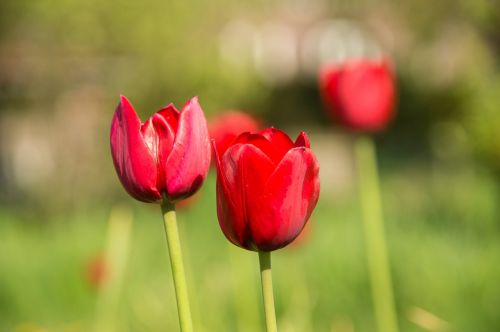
x=228 y=125
x=97 y=271
x=359 y=93
x=267 y=187
x=165 y=157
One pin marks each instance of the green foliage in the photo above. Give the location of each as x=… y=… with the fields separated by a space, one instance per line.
x=443 y=262
x=63 y=65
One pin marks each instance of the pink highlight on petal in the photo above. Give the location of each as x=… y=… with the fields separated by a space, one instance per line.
x=188 y=162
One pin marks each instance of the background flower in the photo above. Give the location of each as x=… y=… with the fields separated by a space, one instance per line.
x=359 y=93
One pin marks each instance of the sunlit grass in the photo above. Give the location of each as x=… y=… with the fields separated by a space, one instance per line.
x=445 y=267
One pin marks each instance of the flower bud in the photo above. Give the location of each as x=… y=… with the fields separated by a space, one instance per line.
x=267 y=188
x=360 y=94
x=166 y=157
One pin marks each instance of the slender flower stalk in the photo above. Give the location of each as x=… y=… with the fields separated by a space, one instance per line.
x=163 y=160
x=376 y=249
x=174 y=249
x=361 y=95
x=267 y=290
x=267 y=188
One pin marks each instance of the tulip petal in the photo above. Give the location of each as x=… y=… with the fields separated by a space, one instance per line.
x=277 y=137
x=133 y=159
x=242 y=178
x=150 y=138
x=280 y=142
x=165 y=142
x=166 y=137
x=287 y=200
x=188 y=162
x=263 y=144
x=302 y=140
x=171 y=116
x=228 y=211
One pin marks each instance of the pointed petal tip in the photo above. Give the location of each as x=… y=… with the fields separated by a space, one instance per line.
x=124 y=99
x=192 y=104
x=193 y=101
x=168 y=106
x=189 y=159
x=302 y=140
x=169 y=110
x=241 y=138
x=124 y=105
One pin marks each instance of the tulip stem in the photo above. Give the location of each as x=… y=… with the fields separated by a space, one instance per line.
x=267 y=290
x=376 y=250
x=174 y=249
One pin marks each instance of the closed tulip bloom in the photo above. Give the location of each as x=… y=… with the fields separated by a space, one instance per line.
x=267 y=188
x=166 y=157
x=359 y=93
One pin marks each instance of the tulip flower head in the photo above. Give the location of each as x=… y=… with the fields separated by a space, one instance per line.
x=166 y=157
x=359 y=93
x=267 y=188
x=224 y=128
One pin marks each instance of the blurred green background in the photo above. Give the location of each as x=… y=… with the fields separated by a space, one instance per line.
x=63 y=65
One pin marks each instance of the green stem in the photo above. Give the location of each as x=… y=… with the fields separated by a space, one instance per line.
x=267 y=290
x=245 y=300
x=376 y=250
x=174 y=249
x=116 y=257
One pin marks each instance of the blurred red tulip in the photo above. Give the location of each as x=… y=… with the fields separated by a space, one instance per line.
x=97 y=271
x=267 y=188
x=167 y=156
x=228 y=125
x=359 y=93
